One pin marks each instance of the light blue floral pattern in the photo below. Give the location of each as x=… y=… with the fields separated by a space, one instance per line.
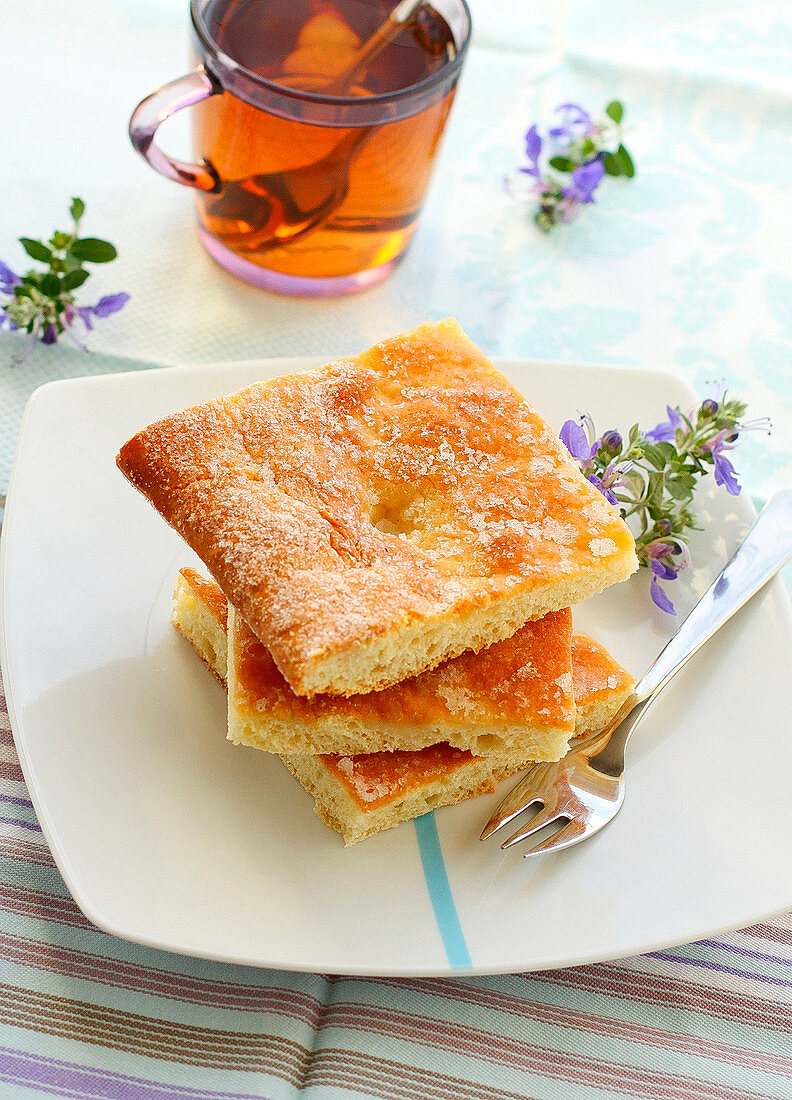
x=686 y=267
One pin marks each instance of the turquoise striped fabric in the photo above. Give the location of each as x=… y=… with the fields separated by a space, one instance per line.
x=87 y=1016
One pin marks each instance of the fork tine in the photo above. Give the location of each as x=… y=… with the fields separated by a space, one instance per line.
x=518 y=799
x=572 y=832
x=545 y=816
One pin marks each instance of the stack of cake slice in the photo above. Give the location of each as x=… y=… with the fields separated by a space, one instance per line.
x=397 y=539
x=361 y=792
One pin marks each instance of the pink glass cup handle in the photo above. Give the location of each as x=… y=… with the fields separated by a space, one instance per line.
x=151 y=112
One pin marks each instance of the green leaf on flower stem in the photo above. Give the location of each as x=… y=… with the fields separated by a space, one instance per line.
x=611 y=164
x=51 y=286
x=654 y=497
x=93 y=250
x=72 y=279
x=625 y=162
x=562 y=164
x=77 y=209
x=615 y=111
x=37 y=250
x=654 y=455
x=679 y=490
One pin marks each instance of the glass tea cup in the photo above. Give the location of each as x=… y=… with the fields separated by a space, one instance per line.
x=307 y=186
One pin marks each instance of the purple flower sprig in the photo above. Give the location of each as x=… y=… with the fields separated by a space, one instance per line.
x=569 y=160
x=42 y=303
x=651 y=476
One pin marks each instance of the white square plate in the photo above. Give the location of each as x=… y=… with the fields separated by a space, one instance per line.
x=168 y=835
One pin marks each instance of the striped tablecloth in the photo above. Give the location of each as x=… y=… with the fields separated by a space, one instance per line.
x=88 y=1016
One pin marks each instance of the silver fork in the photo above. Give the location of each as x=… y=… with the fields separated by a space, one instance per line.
x=585 y=790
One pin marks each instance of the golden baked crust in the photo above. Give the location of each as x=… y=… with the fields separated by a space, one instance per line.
x=374 y=517
x=340 y=809
x=362 y=794
x=601 y=685
x=517 y=695
x=199 y=611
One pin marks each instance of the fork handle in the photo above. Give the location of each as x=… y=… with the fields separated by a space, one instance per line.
x=766 y=547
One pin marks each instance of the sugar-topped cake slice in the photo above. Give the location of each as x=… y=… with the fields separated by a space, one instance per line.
x=362 y=795
x=384 y=513
x=515 y=695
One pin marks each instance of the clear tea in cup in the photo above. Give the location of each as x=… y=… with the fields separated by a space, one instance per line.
x=313 y=163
